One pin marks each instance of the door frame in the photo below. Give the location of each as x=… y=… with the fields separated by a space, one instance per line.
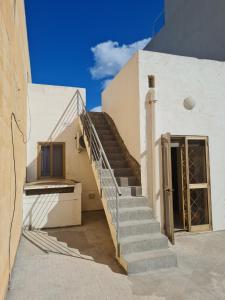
x=207 y=185
x=190 y=228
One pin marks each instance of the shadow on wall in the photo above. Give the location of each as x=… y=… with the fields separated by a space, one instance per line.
x=67 y=120
x=78 y=168
x=158 y=198
x=52 y=210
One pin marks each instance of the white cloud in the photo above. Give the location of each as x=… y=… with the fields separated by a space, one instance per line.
x=110 y=57
x=97 y=109
x=106 y=83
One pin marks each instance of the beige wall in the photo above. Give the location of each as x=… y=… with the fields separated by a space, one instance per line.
x=121 y=101
x=14 y=74
x=54 y=118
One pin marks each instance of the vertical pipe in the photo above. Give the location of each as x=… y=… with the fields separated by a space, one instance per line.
x=150 y=123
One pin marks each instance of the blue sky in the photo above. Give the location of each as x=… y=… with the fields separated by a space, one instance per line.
x=84 y=43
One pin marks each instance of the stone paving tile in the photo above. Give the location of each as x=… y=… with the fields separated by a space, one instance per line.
x=40 y=276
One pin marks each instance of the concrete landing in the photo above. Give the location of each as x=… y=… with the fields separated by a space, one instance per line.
x=40 y=276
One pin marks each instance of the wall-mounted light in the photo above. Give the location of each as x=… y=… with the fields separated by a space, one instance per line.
x=189 y=103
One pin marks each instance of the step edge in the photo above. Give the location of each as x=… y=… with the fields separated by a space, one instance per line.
x=145 y=255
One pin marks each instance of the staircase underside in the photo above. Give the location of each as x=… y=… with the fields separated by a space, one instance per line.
x=142 y=246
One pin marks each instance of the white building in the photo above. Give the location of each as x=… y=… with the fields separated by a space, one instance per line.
x=172 y=94
x=188 y=103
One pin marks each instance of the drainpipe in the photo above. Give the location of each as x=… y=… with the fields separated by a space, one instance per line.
x=150 y=132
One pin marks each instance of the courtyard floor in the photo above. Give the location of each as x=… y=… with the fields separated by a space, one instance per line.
x=90 y=271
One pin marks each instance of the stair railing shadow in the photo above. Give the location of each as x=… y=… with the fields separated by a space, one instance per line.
x=48 y=245
x=40 y=214
x=37 y=213
x=93 y=239
x=70 y=113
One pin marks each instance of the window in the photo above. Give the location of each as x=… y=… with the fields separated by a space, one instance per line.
x=151 y=81
x=51 y=160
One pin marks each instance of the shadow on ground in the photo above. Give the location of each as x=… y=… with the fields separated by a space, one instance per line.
x=92 y=239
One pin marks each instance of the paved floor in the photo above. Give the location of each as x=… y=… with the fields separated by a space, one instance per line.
x=95 y=274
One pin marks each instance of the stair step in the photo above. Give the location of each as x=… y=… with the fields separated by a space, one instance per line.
x=128 y=228
x=97 y=122
x=143 y=242
x=106 y=175
x=118 y=164
x=106 y=137
x=102 y=126
x=123 y=172
x=131 y=190
x=126 y=181
x=125 y=190
x=128 y=201
x=109 y=149
x=109 y=143
x=133 y=213
x=104 y=131
x=150 y=260
x=97 y=117
x=115 y=156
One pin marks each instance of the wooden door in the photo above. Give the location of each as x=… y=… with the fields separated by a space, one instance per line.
x=167 y=186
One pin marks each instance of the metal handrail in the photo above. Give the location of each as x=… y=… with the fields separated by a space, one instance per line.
x=100 y=144
x=98 y=154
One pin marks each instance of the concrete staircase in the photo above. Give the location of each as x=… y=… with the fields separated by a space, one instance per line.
x=142 y=246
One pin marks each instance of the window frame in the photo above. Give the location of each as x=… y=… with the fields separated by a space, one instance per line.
x=51 y=144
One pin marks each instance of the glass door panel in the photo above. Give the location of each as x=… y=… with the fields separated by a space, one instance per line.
x=198 y=186
x=197 y=161
x=199 y=206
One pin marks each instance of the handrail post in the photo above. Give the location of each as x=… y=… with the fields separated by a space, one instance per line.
x=117 y=224
x=91 y=143
x=100 y=160
x=77 y=105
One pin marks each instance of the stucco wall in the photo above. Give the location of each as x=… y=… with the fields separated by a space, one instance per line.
x=177 y=78
x=54 y=118
x=193 y=28
x=14 y=74
x=52 y=210
x=120 y=101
